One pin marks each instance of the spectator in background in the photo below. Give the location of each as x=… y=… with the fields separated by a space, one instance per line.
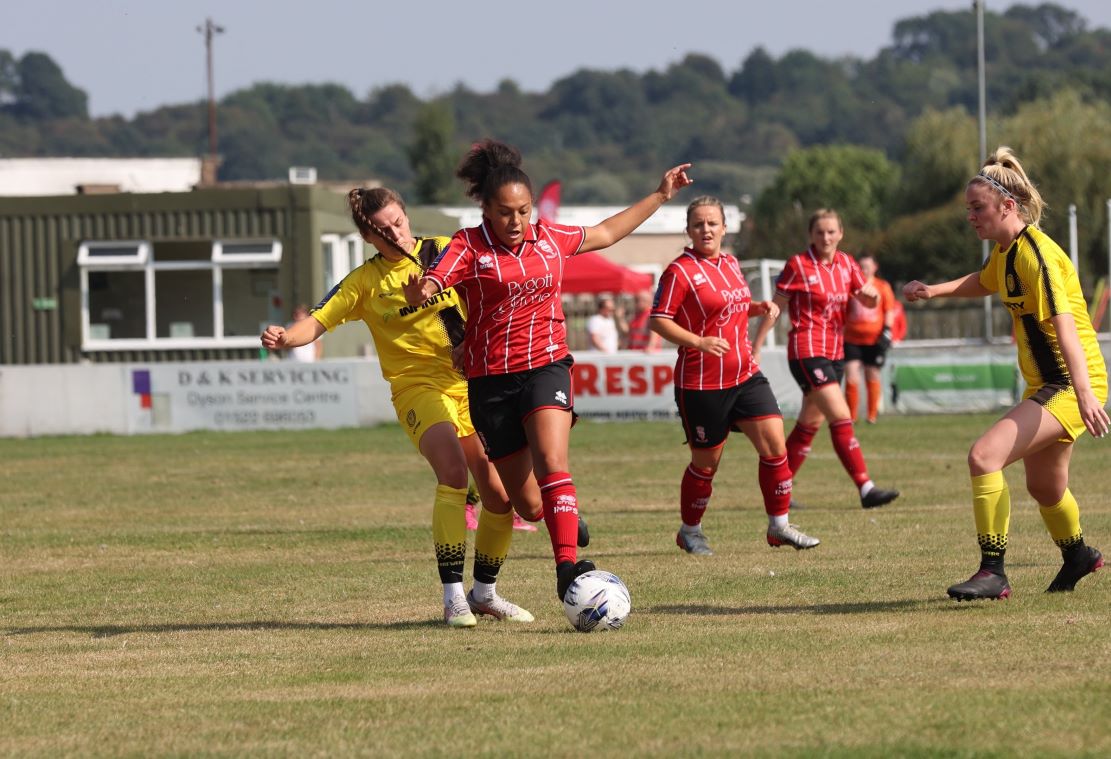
x=310 y=351
x=606 y=326
x=868 y=335
x=640 y=336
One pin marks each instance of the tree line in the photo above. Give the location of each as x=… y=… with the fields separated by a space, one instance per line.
x=889 y=141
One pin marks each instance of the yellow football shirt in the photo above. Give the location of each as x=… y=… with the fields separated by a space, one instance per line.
x=412 y=341
x=1036 y=280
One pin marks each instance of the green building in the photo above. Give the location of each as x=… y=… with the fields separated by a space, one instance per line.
x=172 y=276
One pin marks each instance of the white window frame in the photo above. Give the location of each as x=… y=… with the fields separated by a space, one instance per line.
x=274 y=256
x=355 y=246
x=86 y=256
x=145 y=262
x=334 y=263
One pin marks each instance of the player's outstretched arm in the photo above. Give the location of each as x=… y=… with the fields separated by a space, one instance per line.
x=967 y=286
x=301 y=332
x=620 y=225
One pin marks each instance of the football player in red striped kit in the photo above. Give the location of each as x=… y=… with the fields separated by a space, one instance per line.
x=815 y=287
x=702 y=305
x=509 y=274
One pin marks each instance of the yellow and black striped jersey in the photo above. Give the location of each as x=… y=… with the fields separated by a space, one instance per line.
x=1037 y=281
x=413 y=342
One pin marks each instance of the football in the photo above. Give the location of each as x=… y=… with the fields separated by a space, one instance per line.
x=597 y=600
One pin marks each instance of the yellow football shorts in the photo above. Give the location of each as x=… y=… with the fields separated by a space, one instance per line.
x=1061 y=403
x=421 y=406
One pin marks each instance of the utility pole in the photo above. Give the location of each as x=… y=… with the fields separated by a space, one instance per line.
x=208 y=30
x=981 y=76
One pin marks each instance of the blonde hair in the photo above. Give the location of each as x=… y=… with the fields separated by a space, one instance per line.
x=823 y=213
x=1005 y=176
x=705 y=200
x=364 y=203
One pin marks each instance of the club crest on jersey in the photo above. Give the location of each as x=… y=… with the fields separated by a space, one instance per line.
x=485 y=261
x=561 y=397
x=546 y=249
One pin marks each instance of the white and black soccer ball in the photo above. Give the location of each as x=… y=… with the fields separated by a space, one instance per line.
x=597 y=600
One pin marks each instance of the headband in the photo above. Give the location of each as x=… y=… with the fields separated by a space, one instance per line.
x=999 y=187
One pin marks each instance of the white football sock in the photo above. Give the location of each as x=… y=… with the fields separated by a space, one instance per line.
x=778 y=521
x=687 y=529
x=866 y=488
x=453 y=590
x=483 y=591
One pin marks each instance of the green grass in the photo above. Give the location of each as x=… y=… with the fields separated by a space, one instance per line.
x=275 y=594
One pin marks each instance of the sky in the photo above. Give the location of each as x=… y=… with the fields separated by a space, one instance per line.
x=139 y=55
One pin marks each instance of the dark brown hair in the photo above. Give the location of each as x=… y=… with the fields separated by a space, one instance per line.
x=364 y=203
x=490 y=165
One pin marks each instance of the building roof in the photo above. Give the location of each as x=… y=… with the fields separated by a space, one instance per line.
x=35 y=177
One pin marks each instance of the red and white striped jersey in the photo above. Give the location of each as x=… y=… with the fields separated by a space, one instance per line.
x=710 y=298
x=515 y=316
x=818 y=296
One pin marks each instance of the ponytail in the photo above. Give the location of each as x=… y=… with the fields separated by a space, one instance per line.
x=1005 y=176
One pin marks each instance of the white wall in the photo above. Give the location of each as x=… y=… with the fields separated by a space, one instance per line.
x=26 y=177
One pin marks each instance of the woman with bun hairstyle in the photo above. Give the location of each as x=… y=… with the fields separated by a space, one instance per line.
x=414 y=346
x=509 y=272
x=1060 y=360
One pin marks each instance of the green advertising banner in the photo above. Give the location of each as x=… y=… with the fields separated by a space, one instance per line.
x=924 y=385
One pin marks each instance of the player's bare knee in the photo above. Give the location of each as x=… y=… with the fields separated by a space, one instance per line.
x=453 y=474
x=981 y=460
x=1046 y=493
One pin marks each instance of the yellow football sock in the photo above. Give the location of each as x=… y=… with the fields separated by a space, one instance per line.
x=991 y=503
x=1062 y=519
x=491 y=544
x=449 y=532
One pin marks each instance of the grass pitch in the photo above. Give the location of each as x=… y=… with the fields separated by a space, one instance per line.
x=275 y=594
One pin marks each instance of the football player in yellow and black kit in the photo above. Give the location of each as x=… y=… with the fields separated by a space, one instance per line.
x=414 y=345
x=1060 y=360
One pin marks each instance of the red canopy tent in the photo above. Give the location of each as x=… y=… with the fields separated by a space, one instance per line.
x=593 y=273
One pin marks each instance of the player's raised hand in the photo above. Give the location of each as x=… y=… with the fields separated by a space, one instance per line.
x=715 y=346
x=274 y=337
x=674 y=180
x=417 y=289
x=915 y=290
